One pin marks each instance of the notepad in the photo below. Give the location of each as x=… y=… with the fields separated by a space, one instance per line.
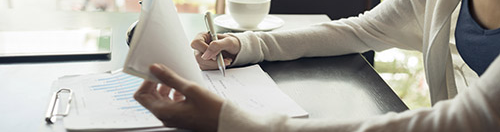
x=105 y=101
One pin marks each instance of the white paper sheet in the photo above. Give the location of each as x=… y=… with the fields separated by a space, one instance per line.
x=105 y=101
x=252 y=89
x=160 y=38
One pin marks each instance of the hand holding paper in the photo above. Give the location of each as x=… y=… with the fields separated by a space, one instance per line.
x=199 y=111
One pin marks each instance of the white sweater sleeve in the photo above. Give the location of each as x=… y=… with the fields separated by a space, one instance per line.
x=474 y=110
x=393 y=23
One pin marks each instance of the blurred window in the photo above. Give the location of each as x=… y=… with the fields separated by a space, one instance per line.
x=184 y=6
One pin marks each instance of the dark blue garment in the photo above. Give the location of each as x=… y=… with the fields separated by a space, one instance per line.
x=477 y=46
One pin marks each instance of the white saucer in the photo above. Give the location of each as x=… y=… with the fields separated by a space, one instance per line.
x=269 y=23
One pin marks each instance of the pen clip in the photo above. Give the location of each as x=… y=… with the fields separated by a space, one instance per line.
x=206 y=23
x=209 y=25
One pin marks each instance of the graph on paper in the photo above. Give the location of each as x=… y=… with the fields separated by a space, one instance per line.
x=121 y=88
x=106 y=101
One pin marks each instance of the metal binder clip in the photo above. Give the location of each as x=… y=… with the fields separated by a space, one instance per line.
x=54 y=101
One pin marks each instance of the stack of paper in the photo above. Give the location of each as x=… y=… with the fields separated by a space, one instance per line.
x=105 y=101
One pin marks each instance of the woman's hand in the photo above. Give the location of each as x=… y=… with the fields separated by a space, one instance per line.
x=207 y=50
x=198 y=110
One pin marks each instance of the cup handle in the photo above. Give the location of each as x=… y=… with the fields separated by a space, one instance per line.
x=130 y=32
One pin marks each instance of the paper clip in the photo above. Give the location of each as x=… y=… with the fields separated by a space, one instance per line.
x=54 y=101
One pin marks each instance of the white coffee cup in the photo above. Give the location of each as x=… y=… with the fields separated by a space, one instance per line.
x=248 y=13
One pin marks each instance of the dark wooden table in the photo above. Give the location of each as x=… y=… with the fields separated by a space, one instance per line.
x=339 y=87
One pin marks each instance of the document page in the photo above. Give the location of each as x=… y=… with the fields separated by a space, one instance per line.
x=252 y=89
x=105 y=101
x=160 y=38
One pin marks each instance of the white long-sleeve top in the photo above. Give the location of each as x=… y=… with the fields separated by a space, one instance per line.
x=409 y=24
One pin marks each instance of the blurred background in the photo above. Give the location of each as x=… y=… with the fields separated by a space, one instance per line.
x=186 y=6
x=401 y=69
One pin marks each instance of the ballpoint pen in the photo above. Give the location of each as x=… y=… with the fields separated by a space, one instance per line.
x=210 y=27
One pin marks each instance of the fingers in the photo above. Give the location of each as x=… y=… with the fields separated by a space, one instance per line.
x=201 y=41
x=170 y=78
x=209 y=64
x=146 y=95
x=178 y=96
x=165 y=91
x=185 y=111
x=215 y=47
